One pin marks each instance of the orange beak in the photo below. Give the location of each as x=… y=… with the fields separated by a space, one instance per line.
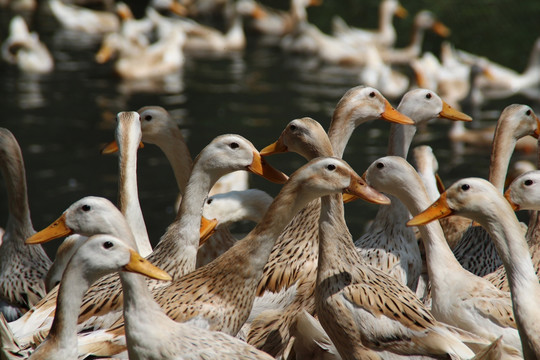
x=275 y=148
x=508 y=197
x=401 y=12
x=260 y=167
x=112 y=147
x=138 y=264
x=537 y=131
x=392 y=115
x=55 y=230
x=440 y=29
x=438 y=210
x=450 y=113
x=208 y=228
x=359 y=189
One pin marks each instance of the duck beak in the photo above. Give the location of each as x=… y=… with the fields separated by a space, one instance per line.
x=275 y=148
x=258 y=13
x=315 y=2
x=537 y=131
x=260 y=167
x=112 y=147
x=508 y=196
x=55 y=230
x=359 y=189
x=392 y=115
x=178 y=9
x=438 y=210
x=208 y=228
x=401 y=12
x=440 y=184
x=138 y=264
x=450 y=113
x=440 y=29
x=104 y=54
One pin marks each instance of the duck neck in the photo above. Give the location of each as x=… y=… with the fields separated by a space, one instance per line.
x=128 y=192
x=501 y=152
x=175 y=149
x=75 y=282
x=12 y=168
x=417 y=38
x=176 y=251
x=335 y=240
x=385 y=21
x=400 y=139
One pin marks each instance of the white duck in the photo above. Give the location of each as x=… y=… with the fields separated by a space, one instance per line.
x=22 y=268
x=479 y=200
x=96 y=257
x=84 y=19
x=459 y=298
x=24 y=49
x=383 y=37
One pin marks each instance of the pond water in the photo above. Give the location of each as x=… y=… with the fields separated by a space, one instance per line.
x=62 y=120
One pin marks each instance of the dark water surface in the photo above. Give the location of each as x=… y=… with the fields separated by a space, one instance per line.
x=62 y=119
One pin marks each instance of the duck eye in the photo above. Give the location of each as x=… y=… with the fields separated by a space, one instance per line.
x=234 y=145
x=148 y=118
x=86 y=208
x=331 y=167
x=528 y=182
x=292 y=127
x=372 y=94
x=528 y=112
x=209 y=201
x=380 y=165
x=465 y=187
x=108 y=245
x=428 y=96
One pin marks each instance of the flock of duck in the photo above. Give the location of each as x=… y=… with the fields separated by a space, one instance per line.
x=438 y=274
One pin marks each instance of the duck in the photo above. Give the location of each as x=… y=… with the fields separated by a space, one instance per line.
x=64 y=252
x=360 y=307
x=176 y=251
x=459 y=298
x=522 y=194
x=515 y=121
x=137 y=61
x=384 y=37
x=22 y=268
x=273 y=22
x=83 y=19
x=24 y=49
x=292 y=261
x=388 y=244
x=97 y=256
x=228 y=208
x=483 y=202
x=423 y=20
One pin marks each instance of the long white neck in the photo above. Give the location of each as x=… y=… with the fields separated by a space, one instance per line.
x=175 y=149
x=128 y=192
x=504 y=228
x=501 y=152
x=177 y=249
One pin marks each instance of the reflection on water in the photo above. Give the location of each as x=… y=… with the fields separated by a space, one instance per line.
x=62 y=119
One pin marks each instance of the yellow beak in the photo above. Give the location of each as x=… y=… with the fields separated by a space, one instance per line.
x=392 y=115
x=138 y=264
x=438 y=210
x=55 y=230
x=450 y=113
x=208 y=228
x=275 y=148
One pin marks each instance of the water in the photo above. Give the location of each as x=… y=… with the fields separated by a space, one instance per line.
x=62 y=119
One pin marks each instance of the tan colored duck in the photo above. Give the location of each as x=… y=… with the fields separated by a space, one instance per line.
x=22 y=268
x=516 y=121
x=176 y=251
x=293 y=259
x=361 y=307
x=383 y=37
x=522 y=194
x=24 y=49
x=481 y=201
x=97 y=256
x=459 y=298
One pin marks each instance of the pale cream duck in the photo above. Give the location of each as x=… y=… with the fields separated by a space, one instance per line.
x=516 y=121
x=97 y=256
x=22 y=268
x=24 y=49
x=459 y=298
x=479 y=200
x=176 y=251
x=83 y=19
